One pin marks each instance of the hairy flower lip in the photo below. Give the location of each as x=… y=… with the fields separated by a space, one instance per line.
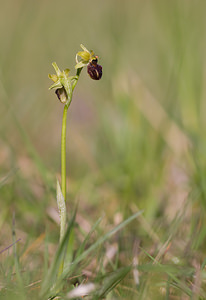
x=94 y=70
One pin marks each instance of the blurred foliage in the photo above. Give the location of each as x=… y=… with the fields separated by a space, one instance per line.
x=135 y=138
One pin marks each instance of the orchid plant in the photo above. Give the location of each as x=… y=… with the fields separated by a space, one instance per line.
x=64 y=86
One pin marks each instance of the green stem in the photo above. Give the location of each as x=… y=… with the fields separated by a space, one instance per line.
x=63 y=141
x=63 y=168
x=63 y=152
x=62 y=204
x=77 y=75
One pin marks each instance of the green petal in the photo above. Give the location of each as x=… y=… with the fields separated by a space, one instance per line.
x=81 y=64
x=66 y=72
x=84 y=55
x=56 y=68
x=56 y=85
x=53 y=77
x=84 y=48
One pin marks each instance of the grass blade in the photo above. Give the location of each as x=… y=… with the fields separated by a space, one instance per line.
x=100 y=241
x=51 y=278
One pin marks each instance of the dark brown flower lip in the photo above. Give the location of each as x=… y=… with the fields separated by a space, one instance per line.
x=94 y=70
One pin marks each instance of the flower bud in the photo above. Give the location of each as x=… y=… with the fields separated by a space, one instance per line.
x=61 y=94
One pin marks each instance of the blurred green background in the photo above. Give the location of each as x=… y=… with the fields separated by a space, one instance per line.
x=136 y=138
x=119 y=131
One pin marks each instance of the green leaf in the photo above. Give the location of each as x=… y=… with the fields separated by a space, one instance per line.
x=51 y=285
x=62 y=210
